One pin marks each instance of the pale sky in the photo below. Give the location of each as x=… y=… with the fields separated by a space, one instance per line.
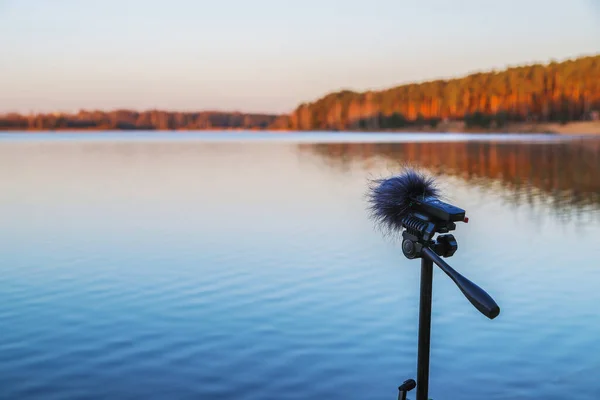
x=265 y=55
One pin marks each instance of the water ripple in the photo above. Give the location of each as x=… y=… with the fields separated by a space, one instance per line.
x=161 y=291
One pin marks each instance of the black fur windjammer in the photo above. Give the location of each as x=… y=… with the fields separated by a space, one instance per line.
x=390 y=198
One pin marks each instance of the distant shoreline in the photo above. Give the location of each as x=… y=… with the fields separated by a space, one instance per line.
x=571 y=128
x=554 y=98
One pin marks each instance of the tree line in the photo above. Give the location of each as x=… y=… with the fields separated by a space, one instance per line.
x=561 y=92
x=130 y=120
x=554 y=92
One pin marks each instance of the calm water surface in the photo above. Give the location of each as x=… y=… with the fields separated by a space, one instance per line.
x=210 y=267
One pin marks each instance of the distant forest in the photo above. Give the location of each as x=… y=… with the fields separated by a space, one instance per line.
x=555 y=92
x=127 y=119
x=561 y=92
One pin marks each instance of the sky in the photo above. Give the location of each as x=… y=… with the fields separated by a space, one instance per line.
x=265 y=55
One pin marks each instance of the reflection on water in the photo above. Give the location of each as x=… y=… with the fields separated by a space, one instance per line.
x=143 y=268
x=565 y=175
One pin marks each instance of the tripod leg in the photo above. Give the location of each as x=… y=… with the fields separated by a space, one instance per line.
x=424 y=329
x=406 y=387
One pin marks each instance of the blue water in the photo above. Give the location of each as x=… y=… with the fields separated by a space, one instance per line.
x=222 y=266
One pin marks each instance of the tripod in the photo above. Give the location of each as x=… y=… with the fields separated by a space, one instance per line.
x=417 y=243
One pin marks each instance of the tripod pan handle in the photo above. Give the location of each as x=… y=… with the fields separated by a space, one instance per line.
x=476 y=295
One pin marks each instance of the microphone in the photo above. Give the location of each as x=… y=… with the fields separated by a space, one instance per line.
x=391 y=199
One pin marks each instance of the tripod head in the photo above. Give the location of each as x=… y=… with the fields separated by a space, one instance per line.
x=409 y=203
x=426 y=218
x=433 y=216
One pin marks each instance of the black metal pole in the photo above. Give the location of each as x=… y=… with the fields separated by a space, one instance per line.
x=424 y=329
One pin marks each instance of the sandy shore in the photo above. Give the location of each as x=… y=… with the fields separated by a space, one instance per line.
x=572 y=128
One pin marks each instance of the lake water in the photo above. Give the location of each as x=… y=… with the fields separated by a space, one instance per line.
x=244 y=266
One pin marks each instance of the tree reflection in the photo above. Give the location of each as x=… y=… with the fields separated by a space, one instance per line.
x=564 y=174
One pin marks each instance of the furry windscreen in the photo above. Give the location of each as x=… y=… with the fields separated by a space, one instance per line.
x=390 y=198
